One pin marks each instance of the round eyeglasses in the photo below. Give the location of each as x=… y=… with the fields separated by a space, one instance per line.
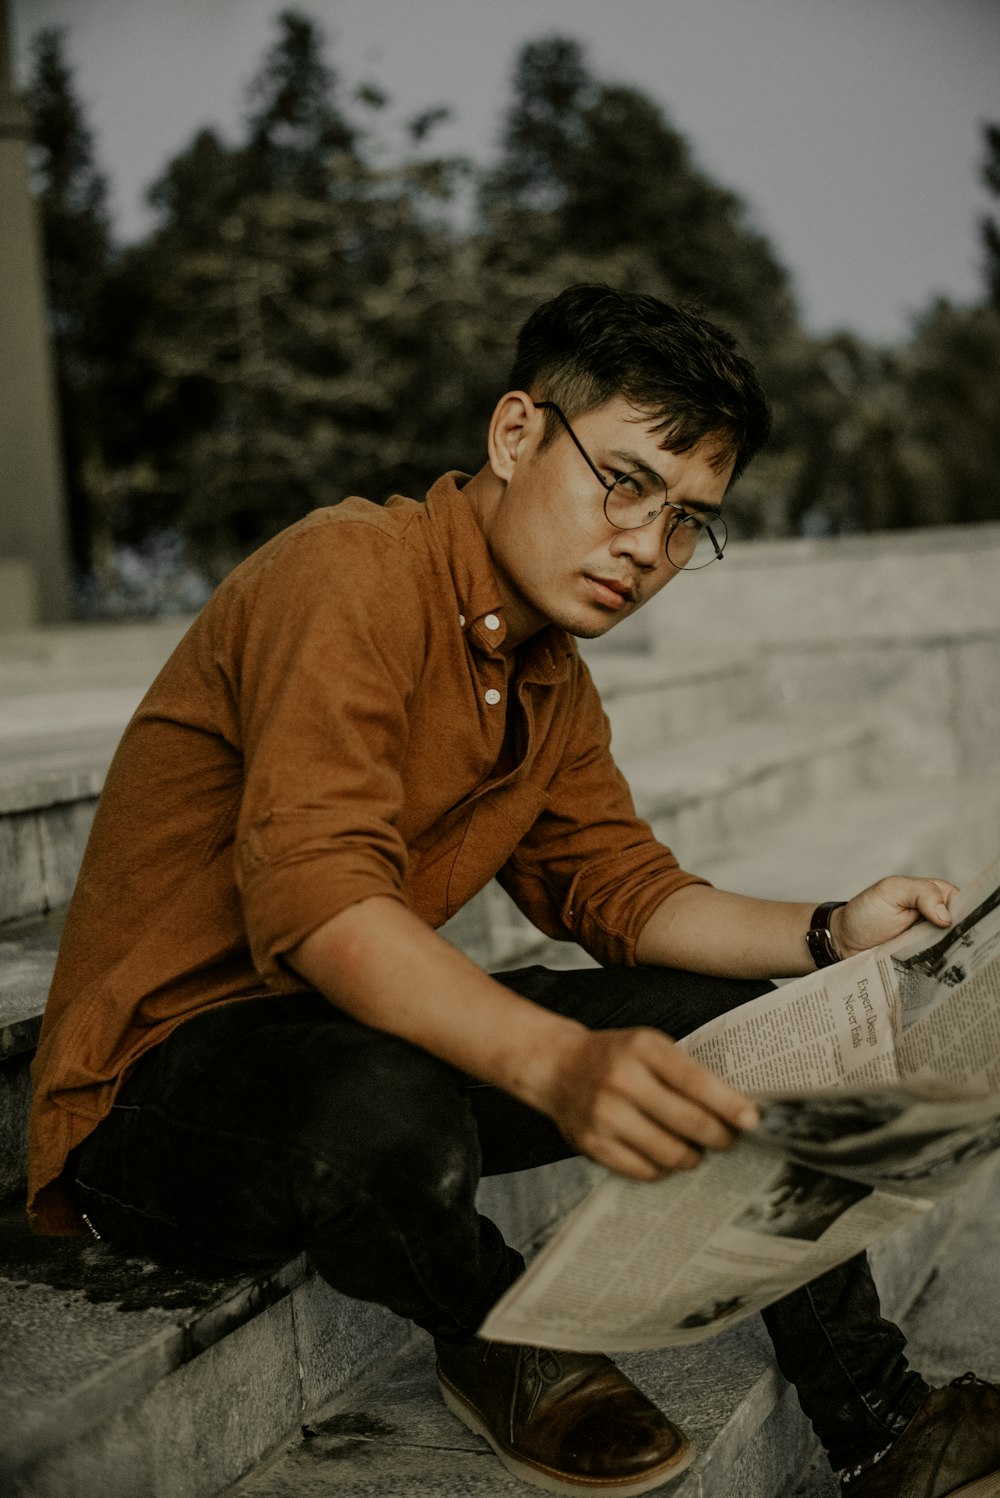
x=632 y=500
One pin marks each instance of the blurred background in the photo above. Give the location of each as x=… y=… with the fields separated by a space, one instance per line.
x=285 y=252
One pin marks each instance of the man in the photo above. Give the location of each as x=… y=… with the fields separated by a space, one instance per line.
x=255 y=1040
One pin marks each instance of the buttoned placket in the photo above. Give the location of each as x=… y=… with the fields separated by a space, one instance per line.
x=485 y=636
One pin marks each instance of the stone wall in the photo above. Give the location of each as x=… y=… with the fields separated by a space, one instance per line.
x=911 y=617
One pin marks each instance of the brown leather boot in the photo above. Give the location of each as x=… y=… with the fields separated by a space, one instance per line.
x=950 y=1449
x=568 y=1422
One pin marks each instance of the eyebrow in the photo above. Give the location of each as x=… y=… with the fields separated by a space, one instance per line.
x=637 y=463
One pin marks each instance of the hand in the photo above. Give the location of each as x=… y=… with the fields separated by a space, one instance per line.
x=887 y=909
x=631 y=1100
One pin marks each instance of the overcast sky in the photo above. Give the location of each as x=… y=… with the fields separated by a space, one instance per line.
x=852 y=127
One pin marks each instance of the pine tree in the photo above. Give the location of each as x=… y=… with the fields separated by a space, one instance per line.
x=297 y=132
x=294 y=328
x=600 y=168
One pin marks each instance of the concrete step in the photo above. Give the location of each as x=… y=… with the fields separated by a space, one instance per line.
x=107 y=651
x=27 y=958
x=653 y=700
x=48 y=795
x=121 y=1378
x=951 y=831
x=714 y=791
x=393 y=1436
x=830 y=848
x=61 y=718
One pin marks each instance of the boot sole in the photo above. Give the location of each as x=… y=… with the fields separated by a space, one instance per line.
x=551 y=1479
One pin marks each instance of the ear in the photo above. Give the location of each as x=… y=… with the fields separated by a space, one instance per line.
x=512 y=431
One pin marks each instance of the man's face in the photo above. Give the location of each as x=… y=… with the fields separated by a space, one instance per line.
x=557 y=557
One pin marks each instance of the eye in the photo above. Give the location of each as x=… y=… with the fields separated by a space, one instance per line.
x=628 y=483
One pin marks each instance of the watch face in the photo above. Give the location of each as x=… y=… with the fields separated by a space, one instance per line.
x=821 y=948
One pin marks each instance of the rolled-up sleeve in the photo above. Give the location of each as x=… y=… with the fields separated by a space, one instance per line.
x=591 y=870
x=333 y=641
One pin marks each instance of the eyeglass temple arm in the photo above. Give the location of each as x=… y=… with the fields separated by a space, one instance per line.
x=551 y=406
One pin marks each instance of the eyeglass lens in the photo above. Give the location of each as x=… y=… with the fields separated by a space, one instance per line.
x=636 y=499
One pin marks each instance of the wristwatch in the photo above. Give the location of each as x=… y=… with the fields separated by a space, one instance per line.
x=819 y=938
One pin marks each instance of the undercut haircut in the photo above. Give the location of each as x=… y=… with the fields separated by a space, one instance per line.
x=590 y=344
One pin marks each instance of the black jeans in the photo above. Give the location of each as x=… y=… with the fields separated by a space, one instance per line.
x=272 y=1125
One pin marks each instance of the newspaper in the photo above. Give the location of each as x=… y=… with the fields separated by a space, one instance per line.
x=879 y=1085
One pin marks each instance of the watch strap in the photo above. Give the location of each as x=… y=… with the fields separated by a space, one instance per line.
x=819 y=939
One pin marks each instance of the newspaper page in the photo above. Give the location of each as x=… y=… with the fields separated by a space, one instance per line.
x=879 y=1080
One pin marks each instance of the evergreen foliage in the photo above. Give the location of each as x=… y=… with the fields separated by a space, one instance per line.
x=316 y=312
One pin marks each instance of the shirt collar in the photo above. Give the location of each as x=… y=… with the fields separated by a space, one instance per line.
x=547 y=656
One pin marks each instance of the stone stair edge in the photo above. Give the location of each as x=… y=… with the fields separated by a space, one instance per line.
x=81 y=641
x=48 y=1287
x=126 y=1376
x=35 y=775
x=634 y=670
x=45 y=762
x=39 y=789
x=761 y=1401
x=746 y=749
x=750 y=1435
x=870 y=825
x=950 y=832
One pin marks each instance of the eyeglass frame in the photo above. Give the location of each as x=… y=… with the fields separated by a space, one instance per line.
x=681 y=513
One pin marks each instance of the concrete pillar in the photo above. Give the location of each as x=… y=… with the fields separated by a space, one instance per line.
x=33 y=531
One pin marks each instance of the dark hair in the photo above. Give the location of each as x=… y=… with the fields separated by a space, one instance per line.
x=590 y=344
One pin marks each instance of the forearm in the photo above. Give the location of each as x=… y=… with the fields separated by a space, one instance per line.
x=706 y=930
x=379 y=962
x=629 y=1099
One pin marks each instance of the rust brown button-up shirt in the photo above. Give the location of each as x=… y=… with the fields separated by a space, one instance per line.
x=331 y=728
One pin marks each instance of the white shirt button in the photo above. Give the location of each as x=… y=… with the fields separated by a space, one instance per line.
x=461 y=620
x=492 y=696
x=491 y=621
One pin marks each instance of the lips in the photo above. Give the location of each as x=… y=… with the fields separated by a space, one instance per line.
x=610 y=592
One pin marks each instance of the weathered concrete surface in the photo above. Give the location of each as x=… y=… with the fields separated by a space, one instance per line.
x=392 y=1435
x=117 y=1371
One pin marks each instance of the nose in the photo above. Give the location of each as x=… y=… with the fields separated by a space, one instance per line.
x=645 y=546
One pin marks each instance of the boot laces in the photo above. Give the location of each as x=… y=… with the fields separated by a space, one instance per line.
x=546 y=1364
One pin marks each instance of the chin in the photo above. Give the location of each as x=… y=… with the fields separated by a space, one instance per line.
x=589 y=631
x=591 y=628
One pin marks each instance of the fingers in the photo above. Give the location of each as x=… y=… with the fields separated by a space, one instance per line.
x=625 y=1139
x=691 y=1080
x=653 y=1109
x=890 y=907
x=931 y=897
x=934 y=899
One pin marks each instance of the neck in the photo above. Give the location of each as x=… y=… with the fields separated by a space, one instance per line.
x=484 y=492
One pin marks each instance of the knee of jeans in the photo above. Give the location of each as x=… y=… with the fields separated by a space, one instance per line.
x=413 y=1139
